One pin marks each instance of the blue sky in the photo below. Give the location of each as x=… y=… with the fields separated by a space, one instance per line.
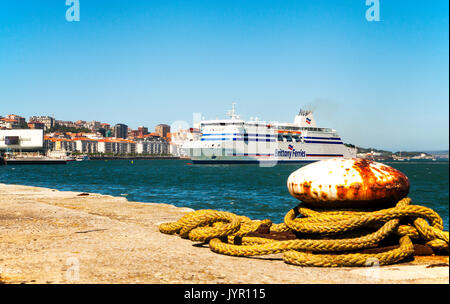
x=379 y=84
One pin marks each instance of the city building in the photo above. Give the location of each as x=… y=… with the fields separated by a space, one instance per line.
x=152 y=145
x=86 y=145
x=36 y=125
x=93 y=125
x=80 y=124
x=49 y=122
x=162 y=130
x=12 y=121
x=69 y=124
x=6 y=123
x=103 y=138
x=116 y=146
x=142 y=131
x=59 y=144
x=120 y=131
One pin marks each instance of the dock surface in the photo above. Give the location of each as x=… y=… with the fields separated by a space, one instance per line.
x=51 y=236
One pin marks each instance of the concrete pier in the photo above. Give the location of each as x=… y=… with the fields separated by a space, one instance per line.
x=50 y=236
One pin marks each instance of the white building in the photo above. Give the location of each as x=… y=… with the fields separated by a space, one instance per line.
x=22 y=139
x=181 y=137
x=116 y=146
x=152 y=146
x=86 y=145
x=60 y=144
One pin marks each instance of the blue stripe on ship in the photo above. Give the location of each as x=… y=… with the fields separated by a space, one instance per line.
x=239 y=139
x=238 y=134
x=323 y=142
x=324 y=155
x=335 y=138
x=256 y=161
x=247 y=154
x=230 y=162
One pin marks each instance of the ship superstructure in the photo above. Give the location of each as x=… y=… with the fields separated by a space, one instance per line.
x=234 y=140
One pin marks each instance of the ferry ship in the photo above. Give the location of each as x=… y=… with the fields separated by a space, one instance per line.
x=234 y=140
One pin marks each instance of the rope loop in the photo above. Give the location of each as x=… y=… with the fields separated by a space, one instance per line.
x=325 y=238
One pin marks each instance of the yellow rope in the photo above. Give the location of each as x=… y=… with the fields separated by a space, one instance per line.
x=320 y=234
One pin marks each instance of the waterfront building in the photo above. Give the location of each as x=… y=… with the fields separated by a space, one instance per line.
x=120 y=147
x=21 y=140
x=116 y=146
x=131 y=147
x=162 y=130
x=86 y=145
x=93 y=135
x=105 y=146
x=152 y=145
x=59 y=144
x=120 y=131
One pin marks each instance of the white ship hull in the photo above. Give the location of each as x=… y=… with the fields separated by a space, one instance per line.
x=282 y=152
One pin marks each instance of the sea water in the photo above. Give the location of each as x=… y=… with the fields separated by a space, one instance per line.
x=251 y=190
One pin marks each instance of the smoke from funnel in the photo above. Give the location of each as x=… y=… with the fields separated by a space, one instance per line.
x=324 y=109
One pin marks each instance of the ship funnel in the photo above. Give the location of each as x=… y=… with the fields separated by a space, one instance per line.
x=305 y=118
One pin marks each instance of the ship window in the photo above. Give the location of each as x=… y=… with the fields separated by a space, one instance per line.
x=296 y=138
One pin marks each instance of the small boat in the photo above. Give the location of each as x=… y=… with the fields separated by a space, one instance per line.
x=69 y=158
x=82 y=158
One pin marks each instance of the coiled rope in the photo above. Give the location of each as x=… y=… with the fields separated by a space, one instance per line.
x=324 y=238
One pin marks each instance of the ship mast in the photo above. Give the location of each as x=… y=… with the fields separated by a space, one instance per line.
x=232 y=112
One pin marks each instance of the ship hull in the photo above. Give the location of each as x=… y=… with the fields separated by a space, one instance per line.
x=267 y=154
x=248 y=161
